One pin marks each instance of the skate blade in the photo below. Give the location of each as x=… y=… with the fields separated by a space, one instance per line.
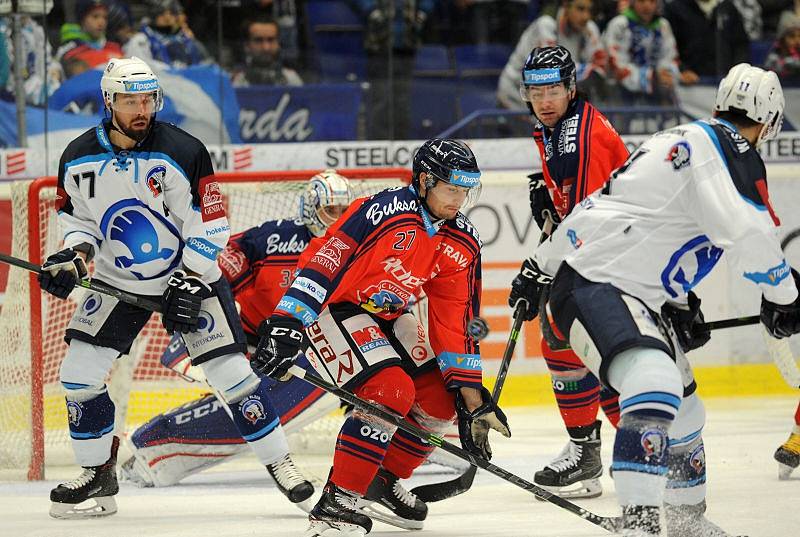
x=785 y=471
x=387 y=517
x=306 y=505
x=588 y=488
x=320 y=528
x=102 y=506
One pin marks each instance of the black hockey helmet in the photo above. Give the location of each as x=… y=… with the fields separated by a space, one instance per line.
x=450 y=161
x=549 y=65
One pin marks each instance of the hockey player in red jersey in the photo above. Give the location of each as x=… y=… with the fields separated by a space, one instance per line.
x=579 y=149
x=259 y=264
x=788 y=455
x=350 y=296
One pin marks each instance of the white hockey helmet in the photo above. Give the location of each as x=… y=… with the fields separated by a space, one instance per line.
x=133 y=76
x=756 y=93
x=326 y=197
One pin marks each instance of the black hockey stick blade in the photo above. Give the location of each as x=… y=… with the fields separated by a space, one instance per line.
x=608 y=523
x=98 y=287
x=436 y=492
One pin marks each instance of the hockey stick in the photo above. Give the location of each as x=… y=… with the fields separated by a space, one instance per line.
x=98 y=287
x=435 y=492
x=729 y=323
x=607 y=523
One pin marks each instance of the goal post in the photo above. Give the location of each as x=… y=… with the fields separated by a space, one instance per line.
x=33 y=421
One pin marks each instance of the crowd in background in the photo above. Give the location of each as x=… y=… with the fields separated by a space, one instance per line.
x=628 y=51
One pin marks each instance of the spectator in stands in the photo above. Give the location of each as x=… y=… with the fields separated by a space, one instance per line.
x=493 y=21
x=163 y=40
x=642 y=54
x=120 y=22
x=263 y=64
x=771 y=12
x=711 y=35
x=388 y=105
x=38 y=61
x=84 y=46
x=784 y=58
x=574 y=30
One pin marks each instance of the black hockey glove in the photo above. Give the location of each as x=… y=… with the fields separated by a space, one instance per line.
x=181 y=302
x=61 y=272
x=528 y=285
x=685 y=321
x=473 y=427
x=282 y=339
x=782 y=320
x=541 y=202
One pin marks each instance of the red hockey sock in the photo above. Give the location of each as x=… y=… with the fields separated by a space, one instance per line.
x=610 y=403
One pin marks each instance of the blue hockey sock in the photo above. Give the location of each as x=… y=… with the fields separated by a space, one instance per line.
x=91 y=423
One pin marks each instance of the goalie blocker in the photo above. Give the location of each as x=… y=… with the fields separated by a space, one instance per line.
x=200 y=434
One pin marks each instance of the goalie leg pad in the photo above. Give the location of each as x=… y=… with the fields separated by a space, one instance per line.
x=650 y=389
x=90 y=410
x=363 y=440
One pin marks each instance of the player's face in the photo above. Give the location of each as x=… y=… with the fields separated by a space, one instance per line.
x=445 y=200
x=331 y=213
x=645 y=9
x=133 y=113
x=95 y=22
x=578 y=13
x=550 y=102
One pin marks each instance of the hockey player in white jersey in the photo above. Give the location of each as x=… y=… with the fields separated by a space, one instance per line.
x=139 y=197
x=687 y=195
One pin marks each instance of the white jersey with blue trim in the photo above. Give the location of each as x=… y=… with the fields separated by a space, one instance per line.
x=687 y=195
x=147 y=211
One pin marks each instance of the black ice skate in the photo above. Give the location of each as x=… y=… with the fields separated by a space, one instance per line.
x=788 y=456
x=641 y=521
x=576 y=471
x=689 y=521
x=291 y=482
x=97 y=483
x=335 y=515
x=388 y=501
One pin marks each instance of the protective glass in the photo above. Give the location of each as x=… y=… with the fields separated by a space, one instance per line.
x=465 y=197
x=329 y=214
x=142 y=103
x=543 y=93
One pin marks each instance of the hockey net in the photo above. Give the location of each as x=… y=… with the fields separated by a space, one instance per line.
x=33 y=421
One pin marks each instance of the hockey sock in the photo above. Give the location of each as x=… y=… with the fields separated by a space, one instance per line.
x=91 y=422
x=577 y=393
x=259 y=424
x=609 y=401
x=686 y=479
x=406 y=452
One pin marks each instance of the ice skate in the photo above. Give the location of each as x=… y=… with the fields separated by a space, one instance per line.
x=689 y=521
x=96 y=483
x=788 y=456
x=292 y=483
x=576 y=471
x=640 y=521
x=335 y=515
x=388 y=501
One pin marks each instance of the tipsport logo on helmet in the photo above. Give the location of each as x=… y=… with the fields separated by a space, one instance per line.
x=465 y=179
x=140 y=86
x=542 y=76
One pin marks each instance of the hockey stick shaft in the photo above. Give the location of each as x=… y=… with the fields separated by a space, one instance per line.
x=98 y=287
x=505 y=364
x=608 y=523
x=729 y=323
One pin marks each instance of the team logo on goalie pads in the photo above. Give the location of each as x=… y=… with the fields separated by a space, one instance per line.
x=74 y=413
x=252 y=409
x=654 y=443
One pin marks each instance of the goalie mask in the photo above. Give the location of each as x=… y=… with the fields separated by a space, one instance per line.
x=757 y=94
x=451 y=162
x=325 y=199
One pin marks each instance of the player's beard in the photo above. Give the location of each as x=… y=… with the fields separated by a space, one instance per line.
x=137 y=134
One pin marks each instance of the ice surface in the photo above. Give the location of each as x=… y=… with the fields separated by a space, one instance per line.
x=745 y=496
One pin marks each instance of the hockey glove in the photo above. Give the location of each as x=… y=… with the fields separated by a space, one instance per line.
x=528 y=285
x=181 y=302
x=541 y=202
x=782 y=320
x=473 y=427
x=61 y=272
x=282 y=339
x=685 y=321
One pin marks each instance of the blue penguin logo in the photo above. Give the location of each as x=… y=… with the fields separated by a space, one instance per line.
x=205 y=322
x=92 y=304
x=688 y=265
x=142 y=239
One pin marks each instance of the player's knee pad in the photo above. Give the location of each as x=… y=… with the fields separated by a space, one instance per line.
x=686 y=478
x=648 y=382
x=231 y=376
x=85 y=368
x=391 y=388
